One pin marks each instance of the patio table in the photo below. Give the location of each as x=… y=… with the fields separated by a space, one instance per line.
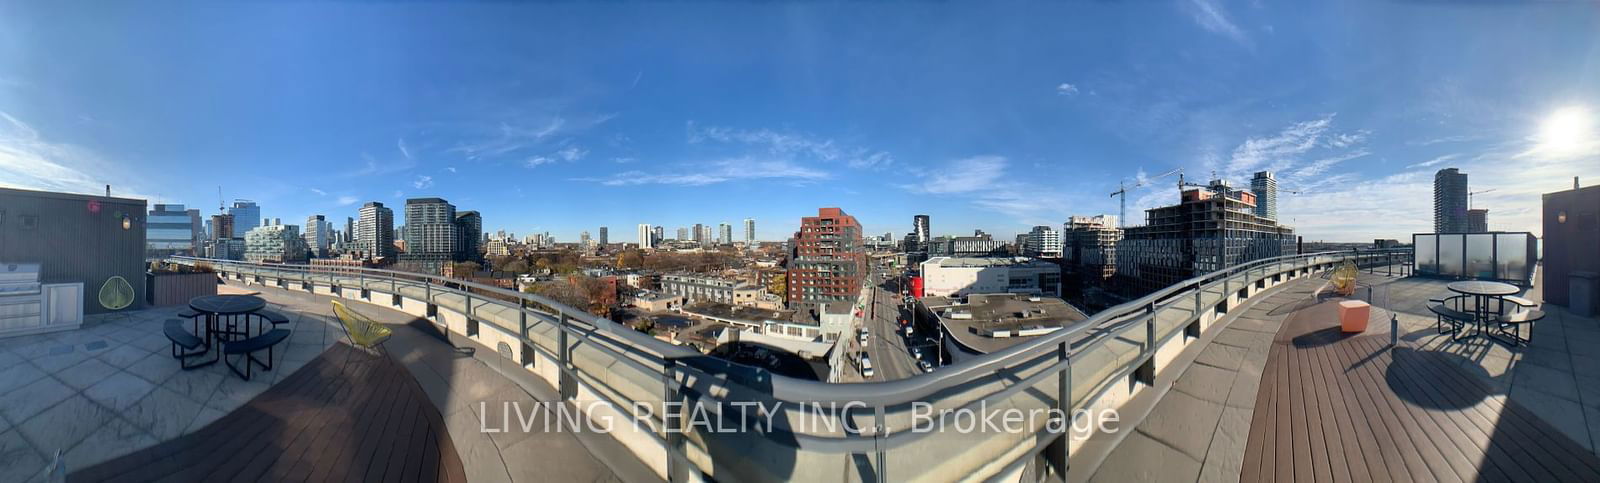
x=1482 y=292
x=215 y=307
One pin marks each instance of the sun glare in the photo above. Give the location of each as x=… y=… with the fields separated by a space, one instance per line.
x=1566 y=129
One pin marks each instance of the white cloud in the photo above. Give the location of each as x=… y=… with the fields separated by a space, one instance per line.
x=347 y=200
x=572 y=153
x=29 y=161
x=1434 y=161
x=792 y=145
x=537 y=161
x=508 y=138
x=977 y=173
x=451 y=169
x=699 y=174
x=1066 y=89
x=1259 y=152
x=623 y=160
x=1214 y=18
x=318 y=192
x=371 y=166
x=423 y=182
x=401 y=143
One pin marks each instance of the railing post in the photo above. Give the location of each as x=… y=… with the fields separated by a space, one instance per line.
x=673 y=432
x=881 y=446
x=1064 y=405
x=1150 y=327
x=562 y=356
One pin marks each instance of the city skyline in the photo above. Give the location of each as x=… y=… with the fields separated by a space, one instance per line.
x=483 y=110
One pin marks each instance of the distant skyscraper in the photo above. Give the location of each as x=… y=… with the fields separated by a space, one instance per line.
x=647 y=236
x=349 y=230
x=1450 y=201
x=699 y=233
x=469 y=235
x=1265 y=187
x=222 y=228
x=749 y=231
x=605 y=238
x=316 y=236
x=724 y=234
x=583 y=239
x=1478 y=220
x=920 y=228
x=660 y=234
x=246 y=216
x=431 y=234
x=683 y=234
x=376 y=230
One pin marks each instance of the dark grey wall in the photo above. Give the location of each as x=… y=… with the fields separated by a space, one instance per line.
x=76 y=238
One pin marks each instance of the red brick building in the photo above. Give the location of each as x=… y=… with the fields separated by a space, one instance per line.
x=829 y=261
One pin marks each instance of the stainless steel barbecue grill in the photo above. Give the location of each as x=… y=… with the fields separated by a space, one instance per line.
x=21 y=300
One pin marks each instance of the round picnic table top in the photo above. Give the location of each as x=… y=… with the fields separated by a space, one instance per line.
x=1479 y=287
x=227 y=304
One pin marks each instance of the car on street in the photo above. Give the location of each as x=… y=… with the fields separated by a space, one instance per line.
x=866 y=366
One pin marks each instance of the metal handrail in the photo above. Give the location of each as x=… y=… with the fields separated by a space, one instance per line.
x=674 y=361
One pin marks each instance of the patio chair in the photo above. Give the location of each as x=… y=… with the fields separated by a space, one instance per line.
x=1344 y=278
x=364 y=333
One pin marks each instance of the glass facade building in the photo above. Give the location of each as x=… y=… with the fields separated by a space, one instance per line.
x=170 y=230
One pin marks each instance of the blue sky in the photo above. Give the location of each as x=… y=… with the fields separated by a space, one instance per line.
x=565 y=117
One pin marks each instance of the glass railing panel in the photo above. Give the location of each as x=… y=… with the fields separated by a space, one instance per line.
x=1511 y=256
x=1451 y=255
x=1480 y=255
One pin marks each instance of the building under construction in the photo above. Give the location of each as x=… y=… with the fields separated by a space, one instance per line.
x=1090 y=246
x=1213 y=227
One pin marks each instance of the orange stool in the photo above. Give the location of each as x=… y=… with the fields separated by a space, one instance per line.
x=1353 y=315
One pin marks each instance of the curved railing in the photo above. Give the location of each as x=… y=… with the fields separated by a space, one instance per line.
x=808 y=429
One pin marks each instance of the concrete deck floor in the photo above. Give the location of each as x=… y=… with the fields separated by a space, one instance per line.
x=112 y=387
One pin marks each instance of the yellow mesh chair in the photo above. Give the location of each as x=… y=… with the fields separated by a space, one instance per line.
x=1344 y=278
x=116 y=294
x=364 y=333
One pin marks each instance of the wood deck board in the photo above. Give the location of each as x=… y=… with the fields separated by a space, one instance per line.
x=316 y=425
x=1328 y=410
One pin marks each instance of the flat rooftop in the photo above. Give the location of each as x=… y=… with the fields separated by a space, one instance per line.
x=989 y=322
x=737 y=312
x=988 y=262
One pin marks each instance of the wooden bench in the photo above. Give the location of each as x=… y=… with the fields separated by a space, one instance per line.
x=248 y=347
x=184 y=344
x=1510 y=325
x=1457 y=318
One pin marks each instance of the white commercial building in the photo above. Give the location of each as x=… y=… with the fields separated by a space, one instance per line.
x=1043 y=242
x=960 y=276
x=647 y=236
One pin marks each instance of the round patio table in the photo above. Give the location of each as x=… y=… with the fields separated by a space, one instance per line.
x=1482 y=292
x=215 y=307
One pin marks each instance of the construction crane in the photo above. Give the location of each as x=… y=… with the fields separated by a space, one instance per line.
x=1469 y=195
x=1122 y=192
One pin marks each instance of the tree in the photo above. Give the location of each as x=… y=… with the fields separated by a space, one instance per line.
x=464 y=270
x=630 y=259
